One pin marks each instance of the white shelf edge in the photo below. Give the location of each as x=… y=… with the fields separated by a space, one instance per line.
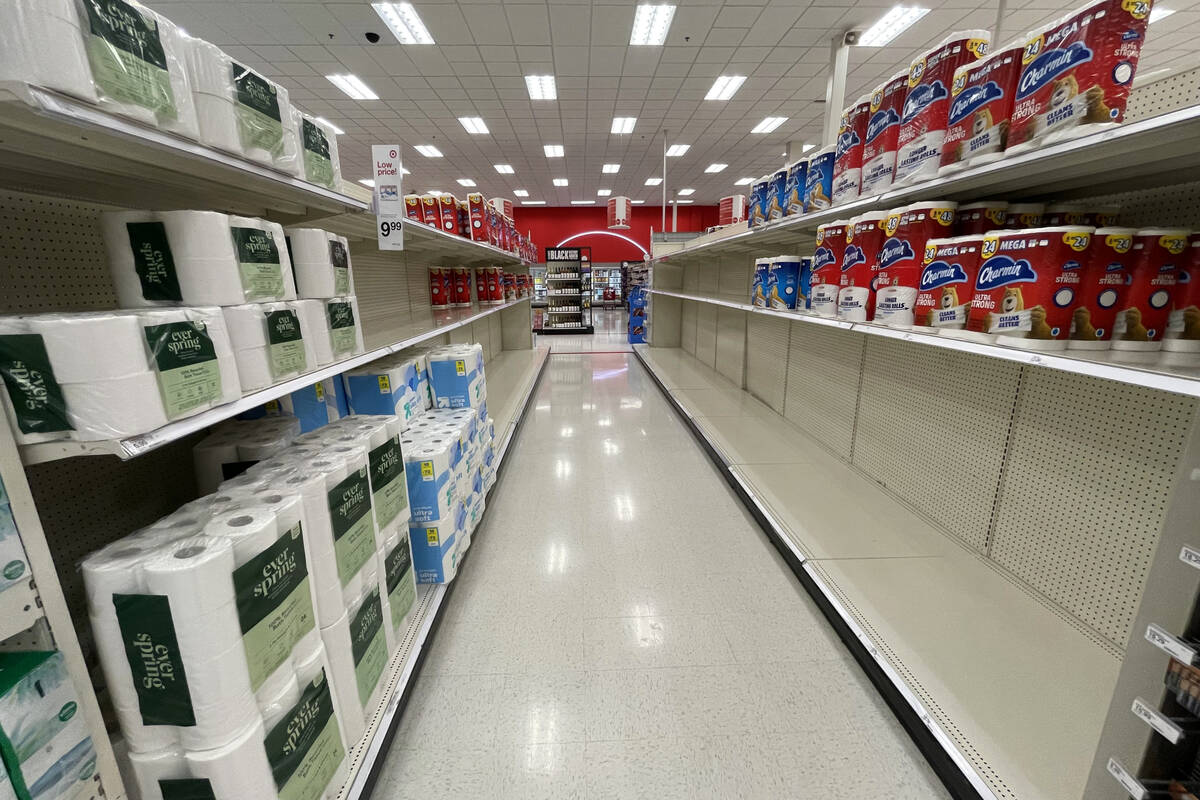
x=420 y=229
x=1060 y=361
x=137 y=445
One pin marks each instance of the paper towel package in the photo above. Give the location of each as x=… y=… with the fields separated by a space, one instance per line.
x=49 y=753
x=848 y=155
x=883 y=128
x=818 y=186
x=42 y=44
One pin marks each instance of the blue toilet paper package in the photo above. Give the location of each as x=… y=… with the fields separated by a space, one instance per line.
x=759 y=281
x=758 y=201
x=818 y=185
x=777 y=194
x=784 y=283
x=797 y=174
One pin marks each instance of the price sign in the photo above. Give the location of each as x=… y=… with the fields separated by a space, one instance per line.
x=1169 y=644
x=389 y=196
x=1152 y=717
x=1127 y=781
x=1190 y=556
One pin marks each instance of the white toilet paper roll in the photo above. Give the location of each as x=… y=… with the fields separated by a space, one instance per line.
x=250 y=529
x=254 y=368
x=276 y=705
x=315 y=326
x=92 y=346
x=42 y=45
x=238 y=769
x=209 y=460
x=208 y=68
x=261 y=447
x=114 y=409
x=247 y=324
x=345 y=683
x=159 y=765
x=217 y=117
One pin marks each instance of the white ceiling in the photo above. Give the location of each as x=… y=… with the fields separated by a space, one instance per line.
x=484 y=49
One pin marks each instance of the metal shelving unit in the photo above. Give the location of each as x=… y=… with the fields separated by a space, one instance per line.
x=567 y=309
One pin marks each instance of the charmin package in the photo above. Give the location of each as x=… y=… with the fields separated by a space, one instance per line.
x=883 y=129
x=320 y=262
x=856 y=293
x=270 y=344
x=1024 y=215
x=947 y=282
x=848 y=157
x=981 y=101
x=898 y=266
x=1102 y=288
x=1158 y=257
x=826 y=267
x=93 y=376
x=1183 y=324
x=979 y=218
x=818 y=182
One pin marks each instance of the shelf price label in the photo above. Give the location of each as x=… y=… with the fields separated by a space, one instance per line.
x=1127 y=781
x=1190 y=556
x=389 y=195
x=1161 y=725
x=1169 y=644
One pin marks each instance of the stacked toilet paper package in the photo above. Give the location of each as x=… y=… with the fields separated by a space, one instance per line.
x=244 y=638
x=132 y=61
x=236 y=445
x=391 y=385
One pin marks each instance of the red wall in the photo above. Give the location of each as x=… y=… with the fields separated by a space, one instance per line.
x=551 y=224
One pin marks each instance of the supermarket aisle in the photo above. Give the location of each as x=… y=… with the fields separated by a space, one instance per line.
x=622 y=629
x=612 y=334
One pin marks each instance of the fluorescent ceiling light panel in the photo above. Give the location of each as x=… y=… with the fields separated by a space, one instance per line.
x=533 y=202
x=338 y=130
x=611 y=168
x=553 y=150
x=353 y=86
x=474 y=125
x=686 y=192
x=768 y=124
x=743 y=181
x=520 y=193
x=504 y=169
x=679 y=202
x=653 y=181
x=582 y=202
x=404 y=22
x=1158 y=12
x=638 y=202
x=560 y=182
x=367 y=182
x=541 y=87
x=715 y=167
x=428 y=150
x=623 y=125
x=465 y=182
x=725 y=87
x=891 y=25
x=651 y=24
x=807 y=147
x=603 y=192
x=677 y=150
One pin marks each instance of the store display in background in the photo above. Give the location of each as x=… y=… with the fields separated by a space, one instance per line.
x=732 y=209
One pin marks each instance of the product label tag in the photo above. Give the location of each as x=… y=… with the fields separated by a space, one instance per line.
x=152 y=651
x=1169 y=644
x=186 y=789
x=368 y=645
x=341 y=267
x=259 y=121
x=389 y=489
x=258 y=261
x=401 y=588
x=153 y=261
x=353 y=528
x=286 y=342
x=36 y=397
x=188 y=373
x=127 y=57
x=1161 y=725
x=342 y=334
x=1129 y=783
x=304 y=749
x=1190 y=556
x=274 y=604
x=317 y=165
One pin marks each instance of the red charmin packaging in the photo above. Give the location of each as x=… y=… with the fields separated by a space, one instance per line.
x=464 y=220
x=947 y=282
x=902 y=254
x=731 y=209
x=1067 y=214
x=441 y=292
x=864 y=236
x=495 y=286
x=1183 y=325
x=1024 y=215
x=1076 y=74
x=478 y=216
x=1028 y=285
x=979 y=218
x=412 y=207
x=481 y=290
x=848 y=158
x=448 y=213
x=827 y=267
x=1158 y=255
x=923 y=122
x=1102 y=288
x=461 y=278
x=493 y=226
x=981 y=101
x=510 y=286
x=430 y=213
x=883 y=130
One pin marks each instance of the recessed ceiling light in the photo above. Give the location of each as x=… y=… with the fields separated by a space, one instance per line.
x=520 y=193
x=637 y=202
x=553 y=150
x=533 y=202
x=1158 y=12
x=428 y=150
x=465 y=182
x=474 y=125
x=715 y=167
x=353 y=86
x=611 y=168
x=653 y=181
x=725 y=87
x=676 y=150
x=504 y=169
x=582 y=202
x=404 y=23
x=603 y=192
x=651 y=24
x=686 y=192
x=367 y=182
x=807 y=147
x=891 y=25
x=768 y=124
x=541 y=87
x=338 y=131
x=680 y=202
x=560 y=182
x=743 y=181
x=623 y=124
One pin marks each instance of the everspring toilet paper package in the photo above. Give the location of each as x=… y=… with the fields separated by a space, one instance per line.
x=399 y=580
x=41 y=43
x=345 y=335
x=321 y=262
x=269 y=343
x=358 y=656
x=235 y=445
x=319 y=161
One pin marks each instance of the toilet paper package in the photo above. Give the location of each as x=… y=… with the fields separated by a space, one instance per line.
x=314 y=322
x=848 y=154
x=456 y=376
x=389 y=486
x=210 y=72
x=234 y=446
x=400 y=583
x=429 y=466
x=137 y=64
x=923 y=121
x=387 y=386
x=42 y=44
x=48 y=751
x=269 y=343
x=358 y=655
x=758 y=282
x=1076 y=73
x=435 y=550
x=856 y=294
x=1024 y=215
x=265 y=267
x=947 y=282
x=898 y=267
x=140 y=259
x=796 y=181
x=883 y=130
x=981 y=101
x=826 y=267
x=14 y=563
x=1158 y=256
x=818 y=185
x=319 y=161
x=784 y=284
x=760 y=201
x=1027 y=286
x=345 y=335
x=1102 y=288
x=979 y=218
x=321 y=263
x=261 y=107
x=777 y=195
x=1183 y=323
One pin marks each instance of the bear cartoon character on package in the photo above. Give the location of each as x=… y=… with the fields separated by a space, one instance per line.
x=883 y=128
x=981 y=101
x=947 y=282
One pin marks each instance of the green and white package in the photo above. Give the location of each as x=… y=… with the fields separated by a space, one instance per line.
x=399 y=582
x=261 y=106
x=14 y=564
x=44 y=740
x=319 y=152
x=345 y=335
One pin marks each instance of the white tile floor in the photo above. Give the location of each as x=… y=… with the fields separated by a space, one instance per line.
x=623 y=629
